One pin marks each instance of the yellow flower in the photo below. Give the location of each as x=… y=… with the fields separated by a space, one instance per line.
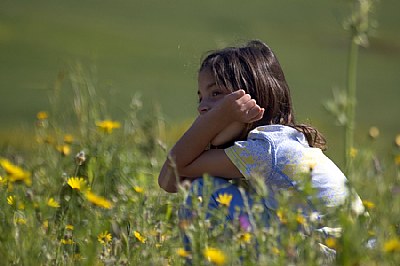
x=281 y=216
x=77 y=183
x=42 y=115
x=300 y=219
x=276 y=251
x=15 y=173
x=98 y=200
x=21 y=206
x=215 y=256
x=353 y=152
x=20 y=220
x=77 y=257
x=68 y=138
x=49 y=139
x=45 y=224
x=368 y=204
x=66 y=241
x=397 y=159
x=53 y=203
x=104 y=237
x=138 y=189
x=139 y=237
x=373 y=132
x=11 y=200
x=69 y=227
x=245 y=238
x=397 y=140
x=3 y=181
x=331 y=242
x=65 y=150
x=183 y=253
x=392 y=245
x=224 y=199
x=107 y=126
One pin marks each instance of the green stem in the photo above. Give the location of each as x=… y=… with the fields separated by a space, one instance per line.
x=351 y=93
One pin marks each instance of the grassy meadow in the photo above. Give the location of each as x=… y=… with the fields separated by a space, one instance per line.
x=153 y=48
x=94 y=93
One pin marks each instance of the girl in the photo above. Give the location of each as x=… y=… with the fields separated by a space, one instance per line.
x=246 y=115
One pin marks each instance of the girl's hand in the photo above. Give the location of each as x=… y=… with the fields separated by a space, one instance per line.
x=240 y=107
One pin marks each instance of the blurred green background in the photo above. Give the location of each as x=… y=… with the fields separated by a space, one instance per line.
x=154 y=47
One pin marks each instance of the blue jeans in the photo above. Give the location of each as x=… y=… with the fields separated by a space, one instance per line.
x=242 y=201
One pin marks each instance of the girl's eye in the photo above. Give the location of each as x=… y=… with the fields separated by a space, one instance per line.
x=216 y=93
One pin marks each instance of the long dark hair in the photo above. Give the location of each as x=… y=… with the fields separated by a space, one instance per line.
x=255 y=69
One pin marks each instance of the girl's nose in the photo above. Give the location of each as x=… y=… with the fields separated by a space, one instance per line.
x=203 y=108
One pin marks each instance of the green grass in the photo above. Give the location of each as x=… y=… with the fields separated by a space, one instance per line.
x=154 y=48
x=141 y=220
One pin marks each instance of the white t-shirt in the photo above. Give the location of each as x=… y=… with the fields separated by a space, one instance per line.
x=282 y=157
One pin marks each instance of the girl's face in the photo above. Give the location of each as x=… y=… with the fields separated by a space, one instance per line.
x=209 y=96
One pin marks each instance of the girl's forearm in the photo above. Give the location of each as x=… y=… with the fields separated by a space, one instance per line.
x=197 y=138
x=191 y=145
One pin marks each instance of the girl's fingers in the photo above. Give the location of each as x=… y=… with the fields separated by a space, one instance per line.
x=249 y=105
x=255 y=114
x=238 y=94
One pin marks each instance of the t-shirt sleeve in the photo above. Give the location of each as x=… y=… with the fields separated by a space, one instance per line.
x=253 y=157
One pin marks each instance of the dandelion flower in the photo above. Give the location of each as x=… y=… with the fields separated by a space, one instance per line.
x=183 y=253
x=373 y=132
x=16 y=173
x=281 y=217
x=224 y=199
x=368 y=204
x=104 y=237
x=66 y=241
x=11 y=200
x=245 y=238
x=392 y=245
x=107 y=126
x=215 y=256
x=53 y=203
x=49 y=140
x=20 y=220
x=276 y=251
x=77 y=183
x=397 y=160
x=42 y=115
x=69 y=227
x=3 y=181
x=98 y=200
x=138 y=189
x=139 y=237
x=77 y=257
x=45 y=224
x=300 y=219
x=353 y=152
x=331 y=242
x=65 y=150
x=397 y=140
x=68 y=138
